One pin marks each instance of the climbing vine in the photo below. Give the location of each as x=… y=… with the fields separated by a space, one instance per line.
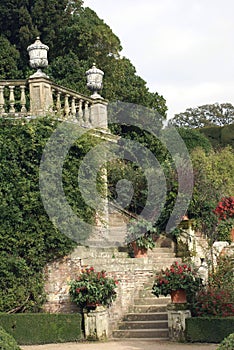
x=28 y=239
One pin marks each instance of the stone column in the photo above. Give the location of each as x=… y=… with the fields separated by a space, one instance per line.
x=41 y=99
x=177 y=314
x=96 y=323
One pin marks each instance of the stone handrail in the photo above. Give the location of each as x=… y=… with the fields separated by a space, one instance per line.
x=13 y=97
x=69 y=103
x=39 y=96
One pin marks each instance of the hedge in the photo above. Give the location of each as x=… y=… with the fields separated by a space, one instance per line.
x=208 y=329
x=42 y=328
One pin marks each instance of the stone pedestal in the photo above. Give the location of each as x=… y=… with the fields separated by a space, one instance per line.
x=99 y=114
x=41 y=99
x=96 y=323
x=177 y=314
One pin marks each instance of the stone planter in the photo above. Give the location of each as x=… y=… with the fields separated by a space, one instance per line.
x=96 y=323
x=178 y=296
x=177 y=314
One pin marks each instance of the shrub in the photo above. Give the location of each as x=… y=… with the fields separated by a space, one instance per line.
x=7 y=342
x=208 y=329
x=43 y=328
x=227 y=343
x=214 y=302
x=217 y=299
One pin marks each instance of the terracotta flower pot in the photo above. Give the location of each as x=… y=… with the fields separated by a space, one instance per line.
x=178 y=296
x=92 y=306
x=138 y=252
x=232 y=234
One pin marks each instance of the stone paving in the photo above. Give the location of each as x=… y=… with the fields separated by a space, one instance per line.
x=124 y=345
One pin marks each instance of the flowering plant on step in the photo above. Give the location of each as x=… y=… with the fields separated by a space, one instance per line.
x=174 y=278
x=93 y=288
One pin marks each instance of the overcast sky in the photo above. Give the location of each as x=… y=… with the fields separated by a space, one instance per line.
x=183 y=49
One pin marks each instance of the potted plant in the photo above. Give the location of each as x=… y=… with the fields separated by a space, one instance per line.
x=176 y=281
x=140 y=237
x=93 y=288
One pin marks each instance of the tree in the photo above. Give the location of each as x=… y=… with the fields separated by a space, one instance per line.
x=193 y=139
x=77 y=37
x=213 y=180
x=206 y=115
x=9 y=57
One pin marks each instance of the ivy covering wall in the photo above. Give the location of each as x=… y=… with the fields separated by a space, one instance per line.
x=28 y=239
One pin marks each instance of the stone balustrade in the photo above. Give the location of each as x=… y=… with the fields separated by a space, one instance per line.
x=13 y=101
x=69 y=104
x=39 y=96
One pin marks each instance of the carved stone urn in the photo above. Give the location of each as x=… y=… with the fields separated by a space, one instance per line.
x=38 y=57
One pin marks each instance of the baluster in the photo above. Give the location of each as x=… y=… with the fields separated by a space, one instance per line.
x=12 y=99
x=73 y=107
x=23 y=99
x=86 y=114
x=58 y=102
x=2 y=101
x=80 y=113
x=66 y=106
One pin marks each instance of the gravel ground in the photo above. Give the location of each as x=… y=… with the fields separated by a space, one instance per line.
x=123 y=345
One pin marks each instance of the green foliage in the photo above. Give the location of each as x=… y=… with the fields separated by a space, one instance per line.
x=227 y=133
x=227 y=343
x=77 y=37
x=9 y=58
x=219 y=136
x=7 y=342
x=208 y=329
x=92 y=288
x=217 y=298
x=41 y=328
x=206 y=115
x=28 y=238
x=193 y=139
x=213 y=179
x=142 y=232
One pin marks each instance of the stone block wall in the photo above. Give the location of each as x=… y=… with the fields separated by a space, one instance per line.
x=131 y=274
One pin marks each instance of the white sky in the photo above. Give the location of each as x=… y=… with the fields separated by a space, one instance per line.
x=183 y=49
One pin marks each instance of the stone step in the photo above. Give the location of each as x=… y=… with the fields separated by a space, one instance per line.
x=141 y=333
x=91 y=252
x=147 y=308
x=143 y=325
x=147 y=293
x=151 y=301
x=148 y=316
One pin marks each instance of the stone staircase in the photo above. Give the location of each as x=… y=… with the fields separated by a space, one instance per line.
x=147 y=316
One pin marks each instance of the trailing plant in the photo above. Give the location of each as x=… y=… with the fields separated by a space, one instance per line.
x=93 y=288
x=142 y=232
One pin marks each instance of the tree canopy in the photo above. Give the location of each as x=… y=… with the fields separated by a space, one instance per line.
x=207 y=115
x=77 y=37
